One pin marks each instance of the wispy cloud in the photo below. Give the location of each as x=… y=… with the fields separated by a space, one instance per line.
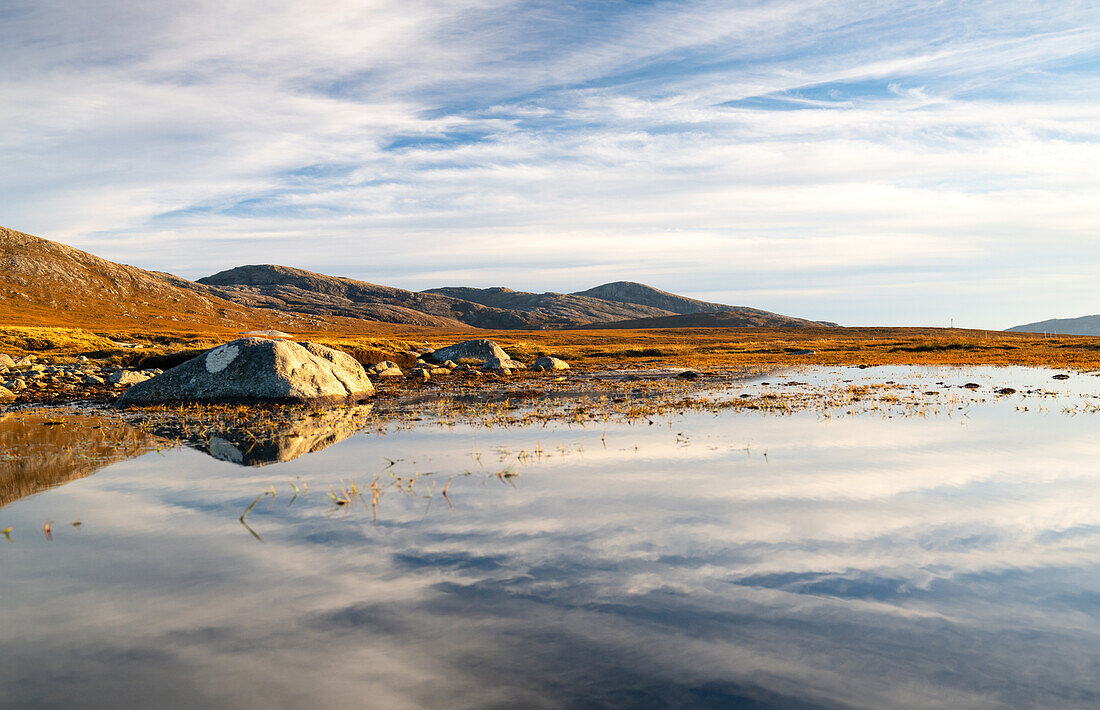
x=759 y=152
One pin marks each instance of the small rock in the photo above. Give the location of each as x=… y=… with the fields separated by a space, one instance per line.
x=1006 y=390
x=25 y=360
x=94 y=380
x=433 y=371
x=497 y=363
x=384 y=365
x=419 y=375
x=800 y=352
x=6 y=395
x=972 y=385
x=688 y=375
x=550 y=363
x=6 y=361
x=390 y=372
x=128 y=378
x=1061 y=377
x=450 y=365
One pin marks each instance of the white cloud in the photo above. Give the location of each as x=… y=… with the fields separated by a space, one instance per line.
x=183 y=138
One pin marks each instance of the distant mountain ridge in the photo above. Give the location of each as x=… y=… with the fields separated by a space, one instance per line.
x=1085 y=325
x=554 y=309
x=640 y=294
x=46 y=283
x=297 y=290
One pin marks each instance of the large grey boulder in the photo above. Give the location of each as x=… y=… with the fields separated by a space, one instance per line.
x=481 y=349
x=257 y=369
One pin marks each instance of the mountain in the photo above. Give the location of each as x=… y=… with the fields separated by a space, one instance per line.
x=46 y=283
x=300 y=291
x=1085 y=325
x=729 y=318
x=556 y=310
x=640 y=294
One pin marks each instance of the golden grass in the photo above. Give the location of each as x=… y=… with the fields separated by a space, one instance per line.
x=707 y=348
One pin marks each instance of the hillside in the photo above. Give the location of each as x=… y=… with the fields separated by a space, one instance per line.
x=46 y=283
x=640 y=294
x=729 y=318
x=301 y=291
x=1085 y=325
x=561 y=310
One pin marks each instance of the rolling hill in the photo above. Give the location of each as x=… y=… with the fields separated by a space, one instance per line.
x=300 y=291
x=49 y=284
x=1085 y=325
x=560 y=310
x=642 y=295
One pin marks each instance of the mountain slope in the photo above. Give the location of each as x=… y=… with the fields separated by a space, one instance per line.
x=555 y=309
x=640 y=294
x=1085 y=325
x=301 y=291
x=729 y=318
x=46 y=283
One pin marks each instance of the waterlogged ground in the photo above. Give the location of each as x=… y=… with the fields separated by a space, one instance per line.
x=862 y=545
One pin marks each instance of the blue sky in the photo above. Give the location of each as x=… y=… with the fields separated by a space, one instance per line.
x=864 y=162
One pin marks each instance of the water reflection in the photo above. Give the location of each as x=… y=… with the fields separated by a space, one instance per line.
x=40 y=450
x=260 y=437
x=864 y=562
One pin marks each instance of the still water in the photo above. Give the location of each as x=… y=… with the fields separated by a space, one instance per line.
x=710 y=560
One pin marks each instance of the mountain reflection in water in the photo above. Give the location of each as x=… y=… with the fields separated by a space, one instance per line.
x=728 y=561
x=40 y=450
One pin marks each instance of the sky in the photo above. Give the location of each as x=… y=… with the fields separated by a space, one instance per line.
x=865 y=162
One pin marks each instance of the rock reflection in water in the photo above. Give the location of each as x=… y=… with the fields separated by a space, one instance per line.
x=257 y=437
x=40 y=450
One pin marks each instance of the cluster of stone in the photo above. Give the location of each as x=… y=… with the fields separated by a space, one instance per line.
x=31 y=378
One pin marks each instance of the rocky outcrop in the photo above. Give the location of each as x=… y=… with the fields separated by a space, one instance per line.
x=258 y=370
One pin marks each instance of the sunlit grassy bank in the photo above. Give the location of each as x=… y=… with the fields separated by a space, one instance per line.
x=693 y=347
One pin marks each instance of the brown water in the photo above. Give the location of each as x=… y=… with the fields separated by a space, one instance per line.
x=732 y=560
